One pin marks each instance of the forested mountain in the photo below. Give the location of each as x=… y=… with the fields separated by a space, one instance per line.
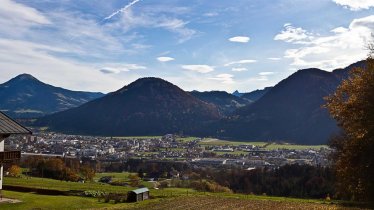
x=227 y=103
x=25 y=96
x=291 y=111
x=148 y=106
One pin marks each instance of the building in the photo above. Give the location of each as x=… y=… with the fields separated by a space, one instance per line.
x=138 y=195
x=8 y=127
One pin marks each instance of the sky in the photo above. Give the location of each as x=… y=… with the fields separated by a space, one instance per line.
x=103 y=45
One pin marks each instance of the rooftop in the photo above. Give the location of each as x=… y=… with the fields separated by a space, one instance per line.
x=140 y=190
x=9 y=126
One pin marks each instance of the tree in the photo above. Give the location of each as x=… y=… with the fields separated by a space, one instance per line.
x=134 y=180
x=14 y=171
x=87 y=172
x=352 y=106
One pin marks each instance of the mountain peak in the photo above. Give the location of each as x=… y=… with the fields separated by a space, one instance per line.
x=148 y=83
x=237 y=93
x=148 y=80
x=25 y=77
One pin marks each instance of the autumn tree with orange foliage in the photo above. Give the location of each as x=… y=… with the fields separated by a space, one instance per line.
x=15 y=171
x=352 y=106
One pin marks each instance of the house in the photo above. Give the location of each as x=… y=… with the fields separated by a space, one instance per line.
x=8 y=127
x=138 y=195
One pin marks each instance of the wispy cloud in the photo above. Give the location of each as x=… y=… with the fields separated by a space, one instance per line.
x=355 y=5
x=210 y=14
x=239 y=69
x=115 y=68
x=37 y=59
x=21 y=13
x=130 y=21
x=224 y=78
x=121 y=10
x=199 y=68
x=17 y=19
x=274 y=59
x=165 y=59
x=266 y=73
x=240 y=62
x=241 y=39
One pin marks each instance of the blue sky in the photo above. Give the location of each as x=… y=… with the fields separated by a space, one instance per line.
x=243 y=45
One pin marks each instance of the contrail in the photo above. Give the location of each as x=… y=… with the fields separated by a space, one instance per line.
x=122 y=9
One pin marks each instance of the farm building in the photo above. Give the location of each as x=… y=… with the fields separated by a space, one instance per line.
x=8 y=127
x=138 y=195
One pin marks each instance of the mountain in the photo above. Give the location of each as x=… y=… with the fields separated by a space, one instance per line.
x=148 y=106
x=226 y=102
x=255 y=95
x=237 y=93
x=25 y=96
x=291 y=111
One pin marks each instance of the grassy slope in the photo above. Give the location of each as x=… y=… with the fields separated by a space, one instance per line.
x=166 y=198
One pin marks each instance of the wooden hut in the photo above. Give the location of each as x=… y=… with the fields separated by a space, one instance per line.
x=138 y=195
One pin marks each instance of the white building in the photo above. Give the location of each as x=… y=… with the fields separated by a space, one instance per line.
x=8 y=127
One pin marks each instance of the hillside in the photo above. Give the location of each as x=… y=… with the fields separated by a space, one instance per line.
x=255 y=95
x=26 y=96
x=226 y=102
x=291 y=111
x=148 y=106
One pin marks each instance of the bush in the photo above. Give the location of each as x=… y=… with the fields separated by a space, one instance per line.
x=209 y=186
x=94 y=194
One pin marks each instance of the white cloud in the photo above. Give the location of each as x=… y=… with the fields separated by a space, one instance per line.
x=355 y=5
x=17 y=19
x=241 y=39
x=343 y=47
x=114 y=68
x=266 y=73
x=262 y=78
x=224 y=78
x=210 y=14
x=165 y=59
x=293 y=35
x=20 y=14
x=339 y=30
x=274 y=59
x=240 y=62
x=239 y=69
x=198 y=68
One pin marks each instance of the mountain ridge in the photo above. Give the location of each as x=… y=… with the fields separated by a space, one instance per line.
x=26 y=96
x=147 y=106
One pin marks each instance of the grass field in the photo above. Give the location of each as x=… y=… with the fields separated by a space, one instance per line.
x=169 y=198
x=186 y=139
x=34 y=201
x=218 y=142
x=266 y=145
x=39 y=183
x=275 y=146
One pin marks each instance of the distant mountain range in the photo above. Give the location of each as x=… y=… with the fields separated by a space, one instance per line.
x=227 y=103
x=148 y=106
x=25 y=96
x=255 y=95
x=291 y=111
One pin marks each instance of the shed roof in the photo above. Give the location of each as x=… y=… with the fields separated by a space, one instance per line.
x=9 y=126
x=140 y=190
